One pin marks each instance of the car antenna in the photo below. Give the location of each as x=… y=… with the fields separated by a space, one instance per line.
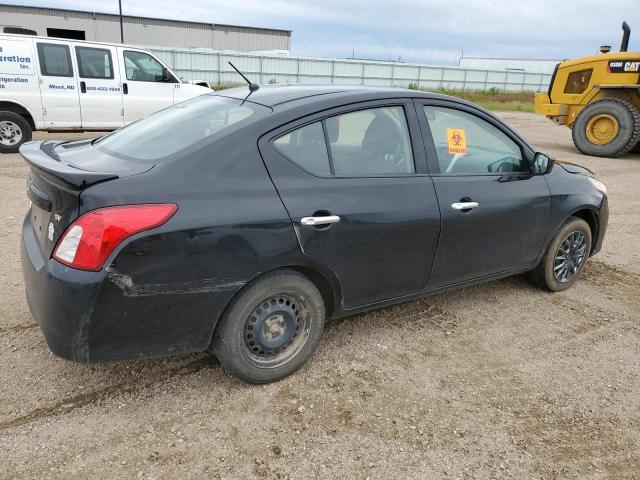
x=252 y=86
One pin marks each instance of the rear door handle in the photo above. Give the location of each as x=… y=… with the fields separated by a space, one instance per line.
x=83 y=87
x=125 y=88
x=324 y=220
x=464 y=205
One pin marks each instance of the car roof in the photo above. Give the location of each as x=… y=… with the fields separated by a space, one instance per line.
x=275 y=95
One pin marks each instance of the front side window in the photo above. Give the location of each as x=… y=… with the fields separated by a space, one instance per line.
x=370 y=142
x=158 y=137
x=466 y=144
x=142 y=67
x=94 y=62
x=55 y=60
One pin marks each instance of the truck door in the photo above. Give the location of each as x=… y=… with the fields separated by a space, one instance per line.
x=148 y=85
x=99 y=85
x=58 y=85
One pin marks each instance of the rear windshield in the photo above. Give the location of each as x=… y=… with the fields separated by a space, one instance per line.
x=160 y=136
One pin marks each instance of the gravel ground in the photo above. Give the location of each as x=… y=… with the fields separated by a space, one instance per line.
x=500 y=380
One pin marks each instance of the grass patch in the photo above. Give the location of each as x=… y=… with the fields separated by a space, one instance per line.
x=491 y=99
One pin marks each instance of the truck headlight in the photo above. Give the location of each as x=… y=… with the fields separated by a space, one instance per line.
x=601 y=187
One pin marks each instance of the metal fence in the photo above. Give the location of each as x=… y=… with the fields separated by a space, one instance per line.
x=213 y=66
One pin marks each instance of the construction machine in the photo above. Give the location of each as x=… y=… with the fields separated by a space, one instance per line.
x=598 y=97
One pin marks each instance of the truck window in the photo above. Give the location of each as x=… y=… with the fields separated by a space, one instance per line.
x=55 y=60
x=94 y=62
x=142 y=67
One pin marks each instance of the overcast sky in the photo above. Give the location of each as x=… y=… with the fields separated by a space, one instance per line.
x=429 y=31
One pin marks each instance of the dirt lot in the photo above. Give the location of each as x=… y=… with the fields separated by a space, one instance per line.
x=496 y=381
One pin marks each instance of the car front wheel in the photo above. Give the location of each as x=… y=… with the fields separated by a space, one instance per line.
x=271 y=329
x=566 y=256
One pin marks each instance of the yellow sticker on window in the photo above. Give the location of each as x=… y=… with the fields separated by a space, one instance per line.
x=457 y=140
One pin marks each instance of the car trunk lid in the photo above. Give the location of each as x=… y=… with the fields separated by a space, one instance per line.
x=59 y=173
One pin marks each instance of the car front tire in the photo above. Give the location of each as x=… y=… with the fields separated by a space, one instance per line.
x=14 y=131
x=271 y=329
x=566 y=256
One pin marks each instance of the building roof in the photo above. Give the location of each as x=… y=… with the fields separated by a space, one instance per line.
x=30 y=7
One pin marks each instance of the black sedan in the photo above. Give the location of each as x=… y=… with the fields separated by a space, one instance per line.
x=240 y=221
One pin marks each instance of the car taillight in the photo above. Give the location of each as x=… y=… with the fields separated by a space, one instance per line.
x=89 y=241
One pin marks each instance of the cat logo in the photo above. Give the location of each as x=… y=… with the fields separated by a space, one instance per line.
x=632 y=66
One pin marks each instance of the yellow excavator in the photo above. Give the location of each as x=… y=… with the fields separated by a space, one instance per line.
x=598 y=97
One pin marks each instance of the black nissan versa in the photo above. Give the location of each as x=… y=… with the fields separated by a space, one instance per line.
x=242 y=220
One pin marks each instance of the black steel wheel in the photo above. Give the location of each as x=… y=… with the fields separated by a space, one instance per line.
x=276 y=329
x=271 y=328
x=565 y=257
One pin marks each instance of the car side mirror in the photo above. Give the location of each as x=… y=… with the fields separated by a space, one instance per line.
x=166 y=76
x=541 y=164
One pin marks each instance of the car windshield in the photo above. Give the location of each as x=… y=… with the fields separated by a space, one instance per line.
x=158 y=137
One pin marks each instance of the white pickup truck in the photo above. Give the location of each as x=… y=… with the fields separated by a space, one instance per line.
x=53 y=84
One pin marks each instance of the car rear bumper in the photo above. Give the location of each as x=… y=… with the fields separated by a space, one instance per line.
x=88 y=317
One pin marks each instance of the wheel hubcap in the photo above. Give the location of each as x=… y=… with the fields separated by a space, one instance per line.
x=10 y=133
x=276 y=330
x=602 y=129
x=570 y=257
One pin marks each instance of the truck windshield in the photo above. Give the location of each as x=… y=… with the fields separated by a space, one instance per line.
x=158 y=137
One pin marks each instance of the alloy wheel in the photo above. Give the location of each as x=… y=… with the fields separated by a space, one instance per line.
x=570 y=256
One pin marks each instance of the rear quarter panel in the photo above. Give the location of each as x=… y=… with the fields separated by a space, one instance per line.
x=229 y=228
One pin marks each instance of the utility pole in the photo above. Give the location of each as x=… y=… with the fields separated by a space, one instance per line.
x=121 y=27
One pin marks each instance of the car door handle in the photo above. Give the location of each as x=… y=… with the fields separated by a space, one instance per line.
x=125 y=88
x=464 y=205
x=324 y=220
x=83 y=87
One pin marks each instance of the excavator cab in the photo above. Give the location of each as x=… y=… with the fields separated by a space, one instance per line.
x=598 y=97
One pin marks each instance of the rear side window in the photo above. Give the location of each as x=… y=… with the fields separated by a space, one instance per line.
x=160 y=136
x=94 y=62
x=55 y=60
x=306 y=148
x=363 y=143
x=370 y=142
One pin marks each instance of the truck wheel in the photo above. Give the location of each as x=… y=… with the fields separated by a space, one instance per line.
x=565 y=257
x=607 y=128
x=14 y=131
x=271 y=329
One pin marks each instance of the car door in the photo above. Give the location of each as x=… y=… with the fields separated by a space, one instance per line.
x=494 y=211
x=99 y=85
x=148 y=87
x=363 y=207
x=58 y=85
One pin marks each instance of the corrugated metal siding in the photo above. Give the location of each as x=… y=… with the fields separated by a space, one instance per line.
x=213 y=66
x=100 y=27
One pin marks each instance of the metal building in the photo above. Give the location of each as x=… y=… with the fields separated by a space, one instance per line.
x=104 y=27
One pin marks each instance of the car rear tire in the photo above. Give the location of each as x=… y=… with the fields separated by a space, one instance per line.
x=271 y=329
x=566 y=256
x=607 y=128
x=14 y=131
